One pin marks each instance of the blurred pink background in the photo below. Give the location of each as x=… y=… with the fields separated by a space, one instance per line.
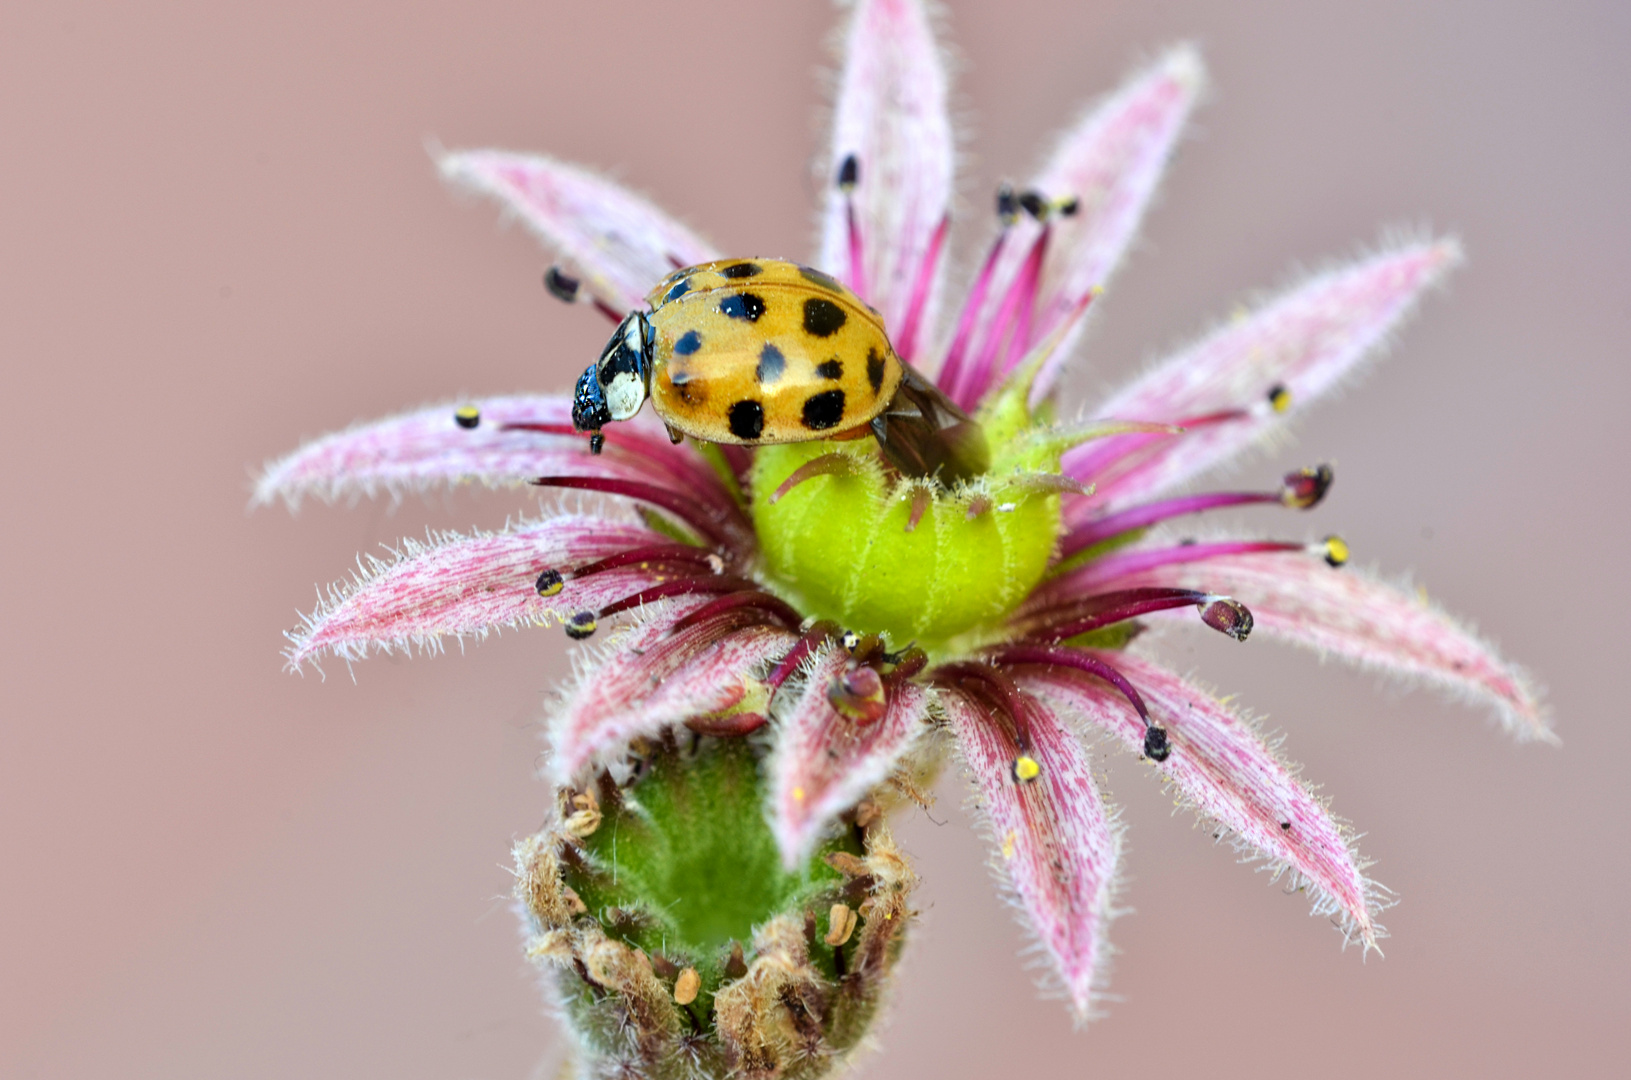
x=223 y=233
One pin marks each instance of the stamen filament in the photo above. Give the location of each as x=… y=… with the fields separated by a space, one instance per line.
x=951 y=371
x=747 y=600
x=816 y=636
x=1090 y=613
x=687 y=510
x=1156 y=746
x=906 y=341
x=1302 y=489
x=688 y=586
x=1021 y=290
x=998 y=691
x=656 y=553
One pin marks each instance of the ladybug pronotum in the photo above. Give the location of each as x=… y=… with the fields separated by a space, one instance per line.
x=745 y=351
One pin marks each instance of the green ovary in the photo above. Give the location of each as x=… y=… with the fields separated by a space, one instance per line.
x=837 y=546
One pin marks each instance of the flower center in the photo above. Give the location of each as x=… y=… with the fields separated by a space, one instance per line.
x=906 y=558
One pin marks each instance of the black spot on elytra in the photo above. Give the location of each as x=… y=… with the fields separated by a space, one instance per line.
x=816 y=277
x=824 y=410
x=743 y=305
x=689 y=342
x=747 y=419
x=823 y=318
x=677 y=290
x=831 y=369
x=771 y=364
x=742 y=270
x=874 y=370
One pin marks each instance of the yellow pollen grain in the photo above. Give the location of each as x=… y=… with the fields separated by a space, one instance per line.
x=798 y=794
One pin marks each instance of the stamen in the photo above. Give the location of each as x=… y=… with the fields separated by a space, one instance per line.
x=747 y=600
x=834 y=464
x=565 y=288
x=1026 y=769
x=661 y=554
x=467 y=416
x=667 y=590
x=858 y=693
x=951 y=371
x=849 y=174
x=1112 y=452
x=1156 y=747
x=816 y=636
x=1300 y=490
x=1121 y=564
x=685 y=509
x=997 y=690
x=906 y=340
x=1334 y=549
x=1090 y=613
x=581 y=625
x=1021 y=294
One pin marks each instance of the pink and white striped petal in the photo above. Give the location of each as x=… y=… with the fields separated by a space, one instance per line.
x=652 y=677
x=420 y=449
x=1111 y=160
x=1225 y=771
x=1350 y=614
x=825 y=762
x=891 y=117
x=1308 y=340
x=618 y=241
x=1056 y=843
x=469 y=585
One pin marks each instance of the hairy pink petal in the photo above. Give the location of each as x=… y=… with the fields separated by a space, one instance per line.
x=1055 y=840
x=1350 y=614
x=891 y=115
x=1229 y=774
x=1111 y=160
x=620 y=243
x=419 y=449
x=1308 y=340
x=825 y=762
x=653 y=677
x=469 y=585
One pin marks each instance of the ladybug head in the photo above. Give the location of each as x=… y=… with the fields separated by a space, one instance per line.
x=615 y=386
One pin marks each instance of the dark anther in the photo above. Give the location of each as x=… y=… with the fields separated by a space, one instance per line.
x=1069 y=207
x=1007 y=204
x=580 y=625
x=467 y=416
x=1285 y=826
x=549 y=583
x=1156 y=746
x=1228 y=616
x=1303 y=489
x=1279 y=397
x=1034 y=204
x=560 y=286
x=848 y=173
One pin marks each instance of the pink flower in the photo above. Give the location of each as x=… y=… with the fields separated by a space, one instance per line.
x=662 y=550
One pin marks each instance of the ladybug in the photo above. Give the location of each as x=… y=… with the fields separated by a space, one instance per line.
x=745 y=351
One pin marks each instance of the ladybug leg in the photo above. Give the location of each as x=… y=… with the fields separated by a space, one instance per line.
x=597 y=443
x=675 y=435
x=924 y=433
